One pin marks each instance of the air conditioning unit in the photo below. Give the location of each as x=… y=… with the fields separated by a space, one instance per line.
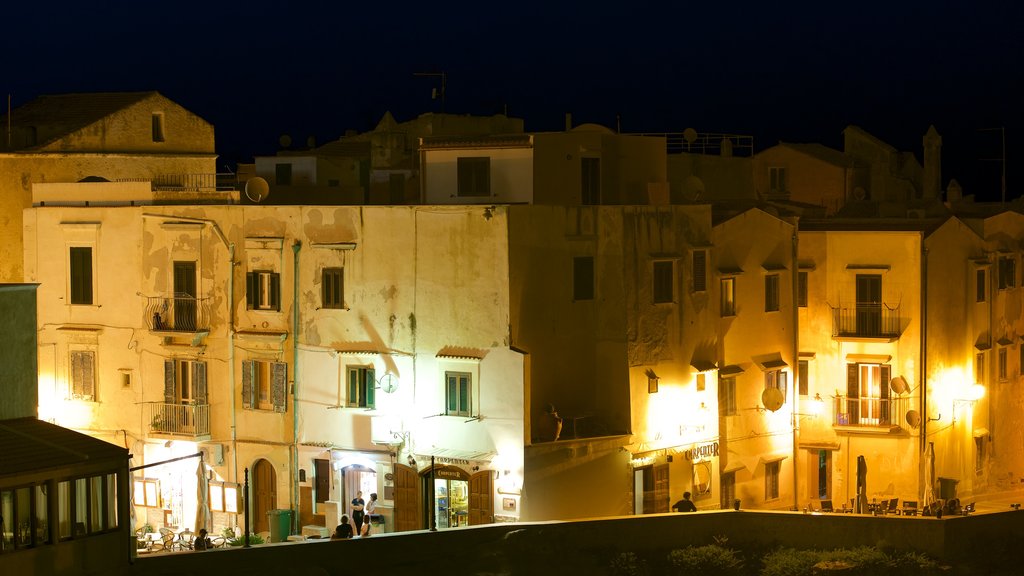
x=213 y=454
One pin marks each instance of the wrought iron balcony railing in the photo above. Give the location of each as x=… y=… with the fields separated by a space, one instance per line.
x=866 y=320
x=871 y=412
x=177 y=314
x=179 y=419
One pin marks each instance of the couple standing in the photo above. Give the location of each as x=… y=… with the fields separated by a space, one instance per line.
x=362 y=512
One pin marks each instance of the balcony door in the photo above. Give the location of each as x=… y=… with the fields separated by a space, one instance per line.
x=185 y=296
x=869 y=304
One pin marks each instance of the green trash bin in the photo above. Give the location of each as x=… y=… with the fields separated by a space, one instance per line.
x=280 y=524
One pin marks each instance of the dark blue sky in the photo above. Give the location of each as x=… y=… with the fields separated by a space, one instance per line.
x=779 y=71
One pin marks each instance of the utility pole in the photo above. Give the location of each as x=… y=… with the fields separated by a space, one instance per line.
x=444 y=84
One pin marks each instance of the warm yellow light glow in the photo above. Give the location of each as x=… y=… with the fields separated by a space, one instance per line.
x=975 y=393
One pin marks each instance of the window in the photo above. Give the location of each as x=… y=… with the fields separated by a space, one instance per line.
x=86 y=506
x=590 y=181
x=583 y=278
x=81 y=274
x=979 y=454
x=771 y=480
x=474 y=176
x=801 y=289
x=701 y=381
x=1007 y=272
x=980 y=292
x=146 y=492
x=263 y=290
x=979 y=368
x=361 y=387
x=776 y=379
x=224 y=497
x=184 y=382
x=700 y=270
x=867 y=402
x=727 y=396
x=803 y=376
x=283 y=174
x=1002 y=363
x=158 y=126
x=771 y=293
x=662 y=289
x=776 y=180
x=458 y=394
x=332 y=288
x=728 y=296
x=728 y=490
x=83 y=375
x=265 y=385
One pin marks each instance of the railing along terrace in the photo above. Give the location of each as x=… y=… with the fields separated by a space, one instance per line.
x=185 y=182
x=704 y=142
x=871 y=412
x=177 y=314
x=179 y=419
x=866 y=320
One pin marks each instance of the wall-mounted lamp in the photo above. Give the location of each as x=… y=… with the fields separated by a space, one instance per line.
x=652 y=381
x=411 y=460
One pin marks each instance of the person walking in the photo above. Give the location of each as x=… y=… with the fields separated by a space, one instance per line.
x=684 y=505
x=357 y=511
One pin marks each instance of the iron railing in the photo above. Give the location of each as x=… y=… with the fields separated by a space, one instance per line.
x=179 y=419
x=177 y=314
x=871 y=412
x=866 y=320
x=704 y=142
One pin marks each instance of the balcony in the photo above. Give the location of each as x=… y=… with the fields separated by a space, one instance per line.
x=180 y=313
x=867 y=321
x=871 y=415
x=181 y=420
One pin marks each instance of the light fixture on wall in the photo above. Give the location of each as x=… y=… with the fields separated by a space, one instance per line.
x=411 y=460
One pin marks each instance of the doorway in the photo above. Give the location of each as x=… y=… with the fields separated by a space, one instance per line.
x=185 y=296
x=819 y=474
x=264 y=494
x=650 y=489
x=407 y=501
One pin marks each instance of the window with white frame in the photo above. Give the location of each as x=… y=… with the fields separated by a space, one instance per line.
x=663 y=273
x=727 y=395
x=867 y=402
x=83 y=375
x=771 y=480
x=362 y=385
x=728 y=296
x=458 y=393
x=778 y=379
x=146 y=492
x=263 y=290
x=771 y=293
x=265 y=385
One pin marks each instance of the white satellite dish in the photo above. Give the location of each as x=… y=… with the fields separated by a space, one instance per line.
x=256 y=189
x=772 y=399
x=899 y=385
x=388 y=383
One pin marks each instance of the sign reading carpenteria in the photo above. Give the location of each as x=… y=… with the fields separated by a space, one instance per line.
x=701 y=451
x=450 y=473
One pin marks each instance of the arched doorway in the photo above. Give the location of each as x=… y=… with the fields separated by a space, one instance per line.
x=264 y=494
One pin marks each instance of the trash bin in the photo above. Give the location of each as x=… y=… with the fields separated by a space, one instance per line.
x=280 y=524
x=947 y=488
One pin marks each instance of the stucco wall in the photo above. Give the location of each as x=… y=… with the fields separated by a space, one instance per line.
x=18 y=364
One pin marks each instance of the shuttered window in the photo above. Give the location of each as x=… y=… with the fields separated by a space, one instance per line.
x=265 y=385
x=458 y=394
x=700 y=270
x=83 y=375
x=263 y=290
x=362 y=385
x=332 y=288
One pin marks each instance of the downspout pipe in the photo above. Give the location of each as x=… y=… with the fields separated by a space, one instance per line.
x=796 y=359
x=296 y=248
x=923 y=378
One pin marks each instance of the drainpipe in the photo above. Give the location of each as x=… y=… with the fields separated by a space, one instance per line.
x=296 y=247
x=796 y=359
x=923 y=377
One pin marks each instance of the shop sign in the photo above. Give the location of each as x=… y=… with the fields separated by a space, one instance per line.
x=701 y=451
x=449 y=473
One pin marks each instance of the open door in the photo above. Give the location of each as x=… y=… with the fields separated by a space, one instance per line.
x=407 y=499
x=481 y=498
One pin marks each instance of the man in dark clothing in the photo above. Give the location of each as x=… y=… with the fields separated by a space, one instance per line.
x=684 y=505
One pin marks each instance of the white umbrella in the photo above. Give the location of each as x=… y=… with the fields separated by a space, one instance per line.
x=929 y=475
x=203 y=519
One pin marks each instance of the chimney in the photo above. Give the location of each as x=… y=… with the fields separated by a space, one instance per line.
x=568 y=121
x=932 y=180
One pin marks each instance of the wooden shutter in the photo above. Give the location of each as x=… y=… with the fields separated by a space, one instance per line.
x=251 y=282
x=275 y=291
x=700 y=267
x=279 y=386
x=853 y=392
x=199 y=382
x=169 y=382
x=886 y=413
x=371 y=386
x=248 y=368
x=353 y=388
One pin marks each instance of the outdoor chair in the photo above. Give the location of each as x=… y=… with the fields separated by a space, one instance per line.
x=826 y=506
x=969 y=509
x=892 y=508
x=185 y=539
x=910 y=508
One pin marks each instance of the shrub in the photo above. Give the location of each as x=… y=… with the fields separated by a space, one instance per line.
x=790 y=562
x=704 y=560
x=240 y=541
x=628 y=564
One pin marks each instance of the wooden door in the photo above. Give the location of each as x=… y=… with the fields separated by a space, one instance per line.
x=869 y=304
x=322 y=480
x=661 y=496
x=481 y=498
x=407 y=499
x=184 y=296
x=264 y=494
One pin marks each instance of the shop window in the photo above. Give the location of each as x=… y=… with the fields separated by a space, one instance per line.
x=264 y=385
x=224 y=497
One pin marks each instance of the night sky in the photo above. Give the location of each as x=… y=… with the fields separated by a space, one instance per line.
x=795 y=72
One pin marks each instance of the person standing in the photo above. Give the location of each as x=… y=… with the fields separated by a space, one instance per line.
x=684 y=505
x=357 y=511
x=371 y=509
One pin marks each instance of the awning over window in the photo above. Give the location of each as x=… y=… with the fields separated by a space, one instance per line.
x=461 y=353
x=730 y=370
x=776 y=457
x=703 y=365
x=730 y=271
x=980 y=432
x=772 y=363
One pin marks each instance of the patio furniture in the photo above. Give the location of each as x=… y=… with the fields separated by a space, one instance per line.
x=910 y=508
x=826 y=506
x=892 y=507
x=969 y=509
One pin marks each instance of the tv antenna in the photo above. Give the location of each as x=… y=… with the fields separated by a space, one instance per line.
x=444 y=84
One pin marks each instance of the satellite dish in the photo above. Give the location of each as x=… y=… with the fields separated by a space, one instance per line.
x=692 y=189
x=772 y=399
x=690 y=135
x=285 y=140
x=913 y=418
x=256 y=189
x=388 y=383
x=899 y=385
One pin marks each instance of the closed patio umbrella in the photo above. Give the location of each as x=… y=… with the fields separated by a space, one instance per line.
x=861 y=506
x=203 y=518
x=929 y=475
